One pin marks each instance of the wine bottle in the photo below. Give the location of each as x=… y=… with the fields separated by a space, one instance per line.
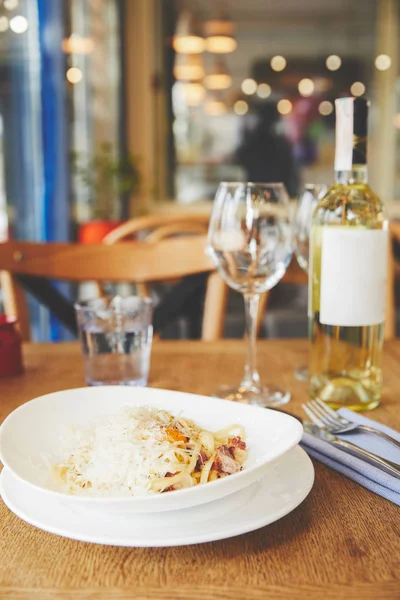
x=348 y=272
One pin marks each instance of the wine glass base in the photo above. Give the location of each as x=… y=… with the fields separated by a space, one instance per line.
x=301 y=373
x=265 y=396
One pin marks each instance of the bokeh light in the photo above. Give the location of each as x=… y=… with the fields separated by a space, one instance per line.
x=333 y=62
x=249 y=86
x=383 y=62
x=241 y=107
x=74 y=75
x=306 y=87
x=278 y=63
x=325 y=108
x=357 y=88
x=10 y=4
x=264 y=90
x=19 y=24
x=3 y=24
x=284 y=106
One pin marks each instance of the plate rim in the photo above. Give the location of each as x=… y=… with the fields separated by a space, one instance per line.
x=244 y=526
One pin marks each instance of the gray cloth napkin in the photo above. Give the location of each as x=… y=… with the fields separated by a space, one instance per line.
x=354 y=468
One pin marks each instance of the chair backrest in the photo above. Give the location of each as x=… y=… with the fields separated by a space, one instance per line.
x=216 y=289
x=163 y=226
x=155 y=221
x=294 y=275
x=161 y=233
x=176 y=229
x=136 y=262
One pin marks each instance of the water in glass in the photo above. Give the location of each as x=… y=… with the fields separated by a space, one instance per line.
x=116 y=338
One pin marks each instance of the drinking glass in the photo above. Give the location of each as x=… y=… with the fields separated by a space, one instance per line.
x=250 y=242
x=308 y=200
x=116 y=335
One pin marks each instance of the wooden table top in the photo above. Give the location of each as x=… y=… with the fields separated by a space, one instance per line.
x=342 y=541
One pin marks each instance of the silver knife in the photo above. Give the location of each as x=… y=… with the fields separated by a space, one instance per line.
x=386 y=465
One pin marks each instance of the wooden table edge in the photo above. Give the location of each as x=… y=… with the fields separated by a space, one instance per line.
x=351 y=591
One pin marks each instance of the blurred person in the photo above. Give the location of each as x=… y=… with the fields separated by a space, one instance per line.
x=265 y=154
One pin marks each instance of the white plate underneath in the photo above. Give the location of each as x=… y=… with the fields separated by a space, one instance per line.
x=286 y=484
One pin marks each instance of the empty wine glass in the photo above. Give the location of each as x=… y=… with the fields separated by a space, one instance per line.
x=250 y=241
x=308 y=200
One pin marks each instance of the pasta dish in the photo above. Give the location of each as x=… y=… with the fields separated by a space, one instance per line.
x=144 y=450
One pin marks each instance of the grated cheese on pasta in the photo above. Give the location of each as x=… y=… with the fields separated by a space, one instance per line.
x=142 y=451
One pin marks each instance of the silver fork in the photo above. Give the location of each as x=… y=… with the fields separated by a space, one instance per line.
x=336 y=424
x=320 y=431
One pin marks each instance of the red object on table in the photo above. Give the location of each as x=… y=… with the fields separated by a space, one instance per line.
x=10 y=347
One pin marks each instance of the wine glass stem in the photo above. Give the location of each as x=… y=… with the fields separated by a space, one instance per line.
x=251 y=377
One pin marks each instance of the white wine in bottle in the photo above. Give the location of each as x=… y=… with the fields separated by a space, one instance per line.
x=348 y=271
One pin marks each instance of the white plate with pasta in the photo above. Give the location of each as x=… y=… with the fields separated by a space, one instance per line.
x=127 y=450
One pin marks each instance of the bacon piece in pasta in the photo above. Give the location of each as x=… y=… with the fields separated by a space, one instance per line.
x=225 y=462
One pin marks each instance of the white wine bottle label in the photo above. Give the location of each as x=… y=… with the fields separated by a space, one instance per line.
x=353 y=276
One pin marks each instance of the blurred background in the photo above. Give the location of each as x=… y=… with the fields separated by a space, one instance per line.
x=111 y=109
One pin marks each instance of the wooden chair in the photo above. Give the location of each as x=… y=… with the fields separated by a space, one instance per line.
x=155 y=228
x=137 y=262
x=163 y=226
x=175 y=230
x=133 y=227
x=294 y=275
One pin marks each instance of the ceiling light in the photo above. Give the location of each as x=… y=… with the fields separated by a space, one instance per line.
x=284 y=107
x=218 y=44
x=333 y=62
x=188 y=67
x=75 y=44
x=325 y=108
x=74 y=75
x=10 y=4
x=193 y=93
x=357 y=88
x=217 y=81
x=188 y=38
x=278 y=63
x=214 y=108
x=241 y=107
x=249 y=86
x=383 y=62
x=214 y=105
x=264 y=90
x=219 y=32
x=3 y=24
x=306 y=87
x=218 y=78
x=19 y=24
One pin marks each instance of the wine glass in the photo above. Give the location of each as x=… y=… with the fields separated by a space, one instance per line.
x=308 y=200
x=250 y=242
